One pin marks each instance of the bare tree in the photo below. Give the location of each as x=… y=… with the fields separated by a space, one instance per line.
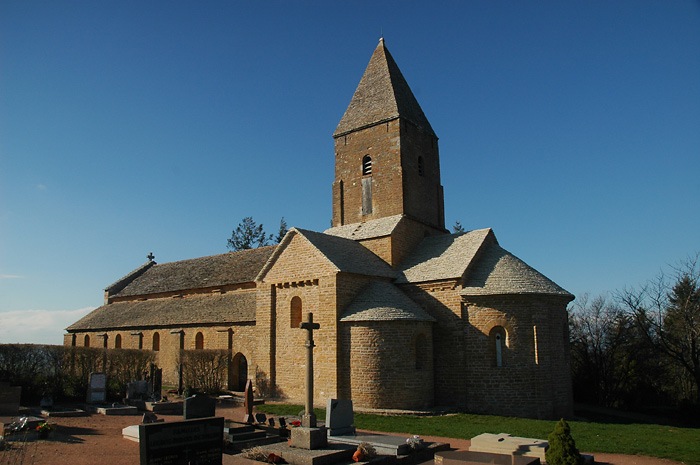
x=667 y=311
x=603 y=350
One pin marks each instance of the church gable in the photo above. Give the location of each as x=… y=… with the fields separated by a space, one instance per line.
x=302 y=250
x=444 y=257
x=296 y=259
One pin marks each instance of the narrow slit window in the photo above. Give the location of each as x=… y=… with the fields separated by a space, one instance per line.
x=421 y=167
x=366 y=165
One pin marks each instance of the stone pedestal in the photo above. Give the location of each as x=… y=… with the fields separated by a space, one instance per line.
x=309 y=438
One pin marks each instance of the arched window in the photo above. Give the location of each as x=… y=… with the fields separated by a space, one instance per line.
x=118 y=341
x=421 y=168
x=199 y=341
x=295 y=312
x=498 y=340
x=156 y=342
x=366 y=165
x=420 y=352
x=86 y=341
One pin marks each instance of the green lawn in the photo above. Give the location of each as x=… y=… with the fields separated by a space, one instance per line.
x=682 y=444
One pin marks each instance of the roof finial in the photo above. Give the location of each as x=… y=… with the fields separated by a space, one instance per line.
x=381 y=35
x=150 y=256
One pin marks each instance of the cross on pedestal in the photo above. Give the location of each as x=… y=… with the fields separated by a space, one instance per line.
x=309 y=418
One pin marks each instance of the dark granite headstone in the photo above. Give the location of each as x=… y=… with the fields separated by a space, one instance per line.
x=97 y=388
x=197 y=441
x=199 y=406
x=340 y=417
x=260 y=418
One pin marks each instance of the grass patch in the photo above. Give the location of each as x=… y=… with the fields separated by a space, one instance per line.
x=669 y=442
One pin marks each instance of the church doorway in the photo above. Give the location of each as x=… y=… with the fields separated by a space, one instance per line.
x=238 y=373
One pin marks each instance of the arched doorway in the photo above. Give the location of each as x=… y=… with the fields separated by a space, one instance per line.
x=238 y=373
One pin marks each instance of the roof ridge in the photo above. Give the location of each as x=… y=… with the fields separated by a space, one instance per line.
x=382 y=95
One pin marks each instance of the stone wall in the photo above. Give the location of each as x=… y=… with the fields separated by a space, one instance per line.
x=390 y=363
x=442 y=301
x=534 y=379
x=299 y=271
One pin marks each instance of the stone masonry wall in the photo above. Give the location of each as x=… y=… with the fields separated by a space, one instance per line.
x=301 y=271
x=423 y=195
x=442 y=301
x=398 y=184
x=390 y=363
x=535 y=377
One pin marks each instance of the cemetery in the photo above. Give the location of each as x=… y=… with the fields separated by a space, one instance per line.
x=204 y=429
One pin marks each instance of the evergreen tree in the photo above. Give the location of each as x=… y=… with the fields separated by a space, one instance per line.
x=282 y=231
x=248 y=235
x=562 y=448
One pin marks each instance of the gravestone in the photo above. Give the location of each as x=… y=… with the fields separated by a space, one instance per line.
x=248 y=403
x=97 y=388
x=510 y=445
x=340 y=417
x=199 y=406
x=184 y=442
x=9 y=399
x=138 y=390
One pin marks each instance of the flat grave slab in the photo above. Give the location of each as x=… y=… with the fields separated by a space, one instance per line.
x=510 y=445
x=383 y=444
x=112 y=409
x=131 y=433
x=480 y=458
x=333 y=453
x=160 y=408
x=63 y=412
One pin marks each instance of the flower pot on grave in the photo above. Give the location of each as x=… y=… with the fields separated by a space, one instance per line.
x=358 y=456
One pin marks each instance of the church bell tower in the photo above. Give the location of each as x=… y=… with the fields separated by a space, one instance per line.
x=386 y=153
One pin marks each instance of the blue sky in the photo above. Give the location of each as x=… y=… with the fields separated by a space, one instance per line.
x=572 y=128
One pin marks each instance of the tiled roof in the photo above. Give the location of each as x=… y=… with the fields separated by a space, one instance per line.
x=231 y=307
x=497 y=271
x=368 y=230
x=213 y=271
x=382 y=301
x=382 y=95
x=347 y=255
x=443 y=257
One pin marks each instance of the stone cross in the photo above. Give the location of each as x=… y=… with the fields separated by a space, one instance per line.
x=309 y=418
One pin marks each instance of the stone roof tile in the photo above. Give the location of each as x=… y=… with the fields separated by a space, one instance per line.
x=497 y=272
x=444 y=256
x=213 y=271
x=382 y=301
x=382 y=95
x=347 y=255
x=368 y=230
x=197 y=309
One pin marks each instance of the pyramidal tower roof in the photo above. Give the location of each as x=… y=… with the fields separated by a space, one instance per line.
x=382 y=95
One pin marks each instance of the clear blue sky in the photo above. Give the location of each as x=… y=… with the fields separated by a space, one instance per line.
x=572 y=128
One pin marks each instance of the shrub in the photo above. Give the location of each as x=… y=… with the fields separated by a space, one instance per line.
x=204 y=371
x=562 y=448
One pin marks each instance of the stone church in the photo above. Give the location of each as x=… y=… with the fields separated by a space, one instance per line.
x=410 y=315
